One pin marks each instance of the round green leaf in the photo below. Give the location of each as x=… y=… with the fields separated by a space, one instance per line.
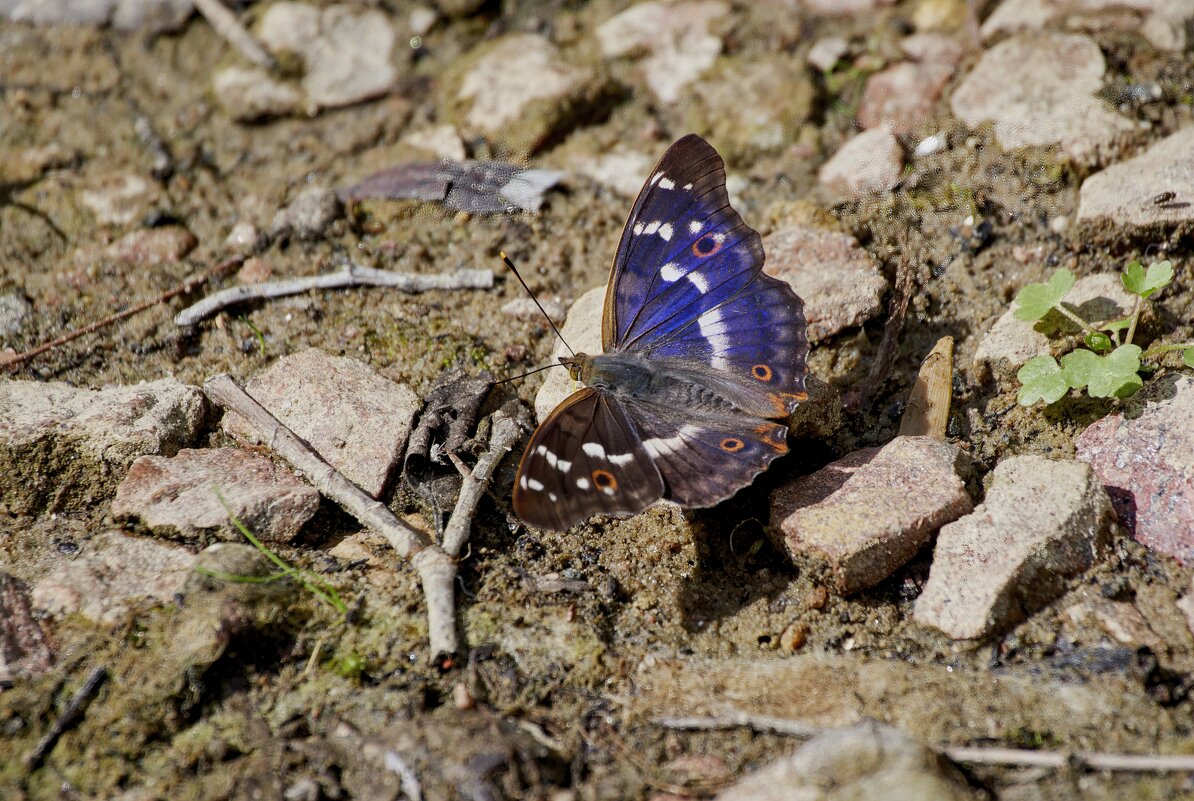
x=1143 y=282
x=1188 y=357
x=1041 y=379
x=1035 y=300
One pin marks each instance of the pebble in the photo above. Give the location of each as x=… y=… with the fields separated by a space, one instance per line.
x=520 y=89
x=243 y=238
x=421 y=20
x=905 y=95
x=624 y=171
x=1162 y=22
x=868 y=162
x=255 y=270
x=868 y=513
x=113 y=571
x=25 y=649
x=1040 y=89
x=674 y=37
x=65 y=447
x=866 y=760
x=118 y=199
x=251 y=94
x=827 y=52
x=357 y=420
x=177 y=496
x=152 y=247
x=346 y=51
x=934 y=143
x=841 y=285
x=1144 y=456
x=1043 y=521
x=308 y=215
x=1129 y=192
x=1010 y=342
x=15 y=313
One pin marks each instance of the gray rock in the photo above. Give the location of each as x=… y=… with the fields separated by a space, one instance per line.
x=346 y=51
x=1011 y=342
x=24 y=647
x=178 y=495
x=1042 y=522
x=840 y=283
x=152 y=247
x=674 y=37
x=111 y=573
x=1129 y=193
x=308 y=215
x=1144 y=456
x=623 y=171
x=866 y=760
x=867 y=163
x=357 y=420
x=118 y=199
x=15 y=312
x=1039 y=90
x=64 y=447
x=1163 y=22
x=250 y=93
x=868 y=513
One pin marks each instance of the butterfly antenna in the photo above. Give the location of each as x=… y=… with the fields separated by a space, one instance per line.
x=529 y=372
x=514 y=270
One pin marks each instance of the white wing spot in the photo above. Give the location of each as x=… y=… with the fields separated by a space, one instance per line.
x=522 y=482
x=652 y=227
x=714 y=334
x=638 y=228
x=695 y=227
x=552 y=497
x=665 y=232
x=620 y=459
x=656 y=178
x=671 y=271
x=582 y=483
x=608 y=490
x=667 y=183
x=535 y=484
x=594 y=449
x=687 y=187
x=699 y=281
x=563 y=466
x=660 y=446
x=541 y=450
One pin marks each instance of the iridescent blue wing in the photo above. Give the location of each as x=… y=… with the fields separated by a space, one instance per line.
x=688 y=284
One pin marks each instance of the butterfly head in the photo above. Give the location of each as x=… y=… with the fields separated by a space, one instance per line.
x=579 y=365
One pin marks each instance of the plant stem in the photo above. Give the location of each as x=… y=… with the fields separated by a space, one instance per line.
x=1135 y=318
x=1157 y=350
x=1069 y=315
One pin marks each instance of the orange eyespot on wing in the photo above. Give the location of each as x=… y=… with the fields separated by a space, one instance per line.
x=761 y=372
x=604 y=480
x=708 y=245
x=732 y=444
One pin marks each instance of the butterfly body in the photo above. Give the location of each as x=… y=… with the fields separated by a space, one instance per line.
x=704 y=359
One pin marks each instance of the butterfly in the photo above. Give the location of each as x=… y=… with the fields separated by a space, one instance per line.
x=704 y=358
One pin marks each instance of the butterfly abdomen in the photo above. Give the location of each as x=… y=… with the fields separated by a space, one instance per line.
x=667 y=382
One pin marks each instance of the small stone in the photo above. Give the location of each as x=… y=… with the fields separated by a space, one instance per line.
x=866 y=760
x=441 y=141
x=1042 y=522
x=243 y=238
x=624 y=171
x=152 y=247
x=118 y=199
x=421 y=20
x=346 y=52
x=793 y=636
x=1011 y=342
x=931 y=144
x=1121 y=621
x=15 y=312
x=1163 y=22
x=582 y=330
x=525 y=309
x=1144 y=456
x=357 y=420
x=868 y=513
x=25 y=650
x=675 y=38
x=461 y=697
x=357 y=548
x=521 y=89
x=827 y=52
x=194 y=494
x=868 y=162
x=250 y=94
x=113 y=571
x=308 y=215
x=840 y=283
x=905 y=95
x=1153 y=190
x=1040 y=89
x=64 y=448
x=255 y=270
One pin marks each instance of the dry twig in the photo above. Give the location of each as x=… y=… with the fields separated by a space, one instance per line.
x=351 y=276
x=74 y=709
x=187 y=286
x=435 y=565
x=225 y=23
x=1019 y=757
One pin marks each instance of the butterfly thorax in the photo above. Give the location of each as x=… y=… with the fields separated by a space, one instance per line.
x=631 y=377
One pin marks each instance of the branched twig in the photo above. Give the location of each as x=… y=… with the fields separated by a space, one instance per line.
x=184 y=288
x=74 y=709
x=435 y=565
x=352 y=276
x=505 y=434
x=225 y=23
x=1094 y=760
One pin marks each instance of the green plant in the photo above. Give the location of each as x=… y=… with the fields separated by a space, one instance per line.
x=1111 y=363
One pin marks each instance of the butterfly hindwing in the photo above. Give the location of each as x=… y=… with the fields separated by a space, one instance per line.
x=706 y=459
x=585 y=459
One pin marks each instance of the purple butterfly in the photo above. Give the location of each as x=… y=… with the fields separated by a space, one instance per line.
x=703 y=354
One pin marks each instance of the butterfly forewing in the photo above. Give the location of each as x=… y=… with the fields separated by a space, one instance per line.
x=586 y=458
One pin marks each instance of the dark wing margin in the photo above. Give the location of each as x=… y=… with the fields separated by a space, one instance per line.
x=585 y=459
